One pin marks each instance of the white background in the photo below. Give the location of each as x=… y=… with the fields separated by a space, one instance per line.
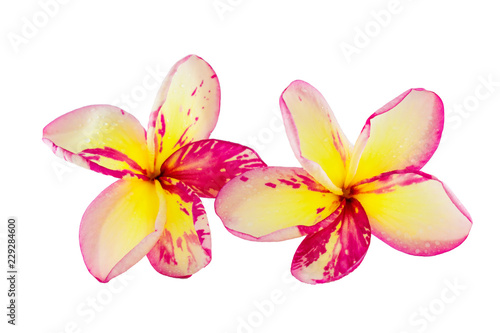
x=92 y=52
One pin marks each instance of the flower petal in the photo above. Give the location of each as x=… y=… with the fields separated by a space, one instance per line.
x=102 y=138
x=314 y=134
x=273 y=203
x=414 y=212
x=120 y=226
x=403 y=134
x=186 y=108
x=336 y=250
x=207 y=165
x=184 y=246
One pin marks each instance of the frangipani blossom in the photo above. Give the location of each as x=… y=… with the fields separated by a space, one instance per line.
x=154 y=208
x=344 y=193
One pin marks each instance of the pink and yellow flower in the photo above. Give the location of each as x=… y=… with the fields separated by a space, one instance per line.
x=344 y=193
x=154 y=208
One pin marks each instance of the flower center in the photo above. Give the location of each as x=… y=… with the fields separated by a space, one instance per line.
x=346 y=192
x=153 y=175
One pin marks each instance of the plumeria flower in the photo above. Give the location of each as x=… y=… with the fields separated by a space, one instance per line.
x=345 y=193
x=154 y=208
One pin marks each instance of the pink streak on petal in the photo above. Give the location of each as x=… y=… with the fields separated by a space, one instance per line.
x=455 y=200
x=341 y=246
x=115 y=173
x=430 y=143
x=67 y=155
x=183 y=139
x=160 y=100
x=392 y=181
x=207 y=165
x=87 y=162
x=179 y=243
x=161 y=131
x=236 y=192
x=388 y=180
x=290 y=183
x=184 y=210
x=162 y=256
x=153 y=116
x=339 y=146
x=112 y=154
x=167 y=248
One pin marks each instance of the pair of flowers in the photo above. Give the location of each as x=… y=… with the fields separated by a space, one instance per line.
x=340 y=196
